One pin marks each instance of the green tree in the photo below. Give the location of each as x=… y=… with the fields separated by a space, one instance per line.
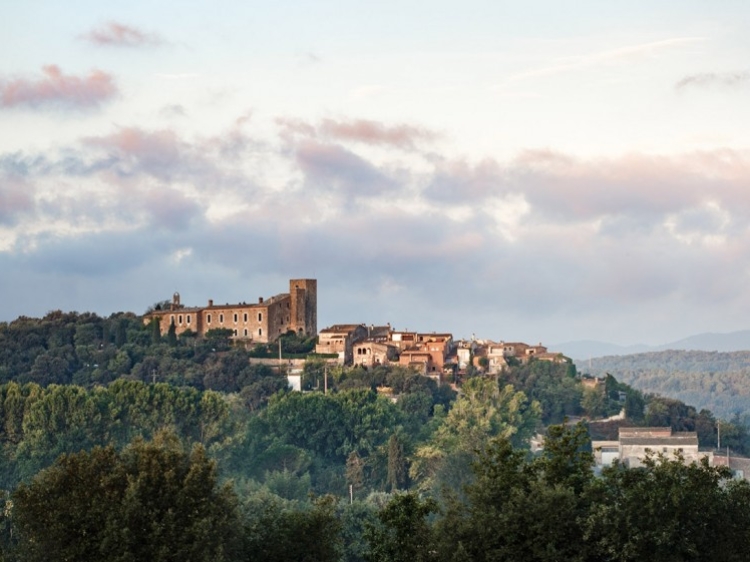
x=398 y=468
x=402 y=534
x=668 y=511
x=154 y=501
x=172 y=335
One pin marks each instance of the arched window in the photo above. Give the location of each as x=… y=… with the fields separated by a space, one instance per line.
x=221 y=318
x=208 y=319
x=260 y=331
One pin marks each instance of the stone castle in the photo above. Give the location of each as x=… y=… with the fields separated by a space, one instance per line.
x=260 y=322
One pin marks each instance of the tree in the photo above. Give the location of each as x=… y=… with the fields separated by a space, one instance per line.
x=483 y=411
x=172 y=335
x=403 y=534
x=278 y=532
x=398 y=469
x=668 y=511
x=355 y=474
x=154 y=501
x=155 y=331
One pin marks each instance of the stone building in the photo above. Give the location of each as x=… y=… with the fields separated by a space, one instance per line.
x=634 y=443
x=339 y=339
x=370 y=353
x=262 y=321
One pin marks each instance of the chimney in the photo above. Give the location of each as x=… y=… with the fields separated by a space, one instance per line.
x=260 y=300
x=210 y=302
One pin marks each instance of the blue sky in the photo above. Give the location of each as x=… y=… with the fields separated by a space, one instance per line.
x=533 y=171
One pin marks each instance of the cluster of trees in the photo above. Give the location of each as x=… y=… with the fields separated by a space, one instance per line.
x=715 y=381
x=87 y=350
x=160 y=501
x=40 y=423
x=368 y=464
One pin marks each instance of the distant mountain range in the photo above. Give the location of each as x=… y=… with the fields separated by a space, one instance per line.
x=583 y=350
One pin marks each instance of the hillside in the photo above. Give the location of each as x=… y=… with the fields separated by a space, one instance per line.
x=718 y=381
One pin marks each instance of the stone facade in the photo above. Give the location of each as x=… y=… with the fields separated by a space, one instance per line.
x=369 y=353
x=260 y=322
x=339 y=339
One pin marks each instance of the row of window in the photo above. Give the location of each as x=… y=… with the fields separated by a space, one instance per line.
x=188 y=318
x=179 y=319
x=236 y=318
x=245 y=332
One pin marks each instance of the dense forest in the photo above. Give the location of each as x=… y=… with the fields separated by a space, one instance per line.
x=118 y=443
x=717 y=381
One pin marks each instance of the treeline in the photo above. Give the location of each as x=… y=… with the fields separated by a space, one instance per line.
x=716 y=381
x=159 y=501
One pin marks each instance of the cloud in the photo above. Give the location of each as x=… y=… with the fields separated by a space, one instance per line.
x=329 y=166
x=540 y=244
x=373 y=132
x=711 y=79
x=16 y=199
x=56 y=89
x=402 y=136
x=173 y=110
x=114 y=34
x=158 y=153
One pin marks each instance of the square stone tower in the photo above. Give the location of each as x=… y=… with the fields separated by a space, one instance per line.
x=304 y=304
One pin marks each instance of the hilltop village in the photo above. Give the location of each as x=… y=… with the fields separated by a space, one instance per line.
x=433 y=354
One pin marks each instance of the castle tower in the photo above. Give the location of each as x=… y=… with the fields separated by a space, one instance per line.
x=304 y=306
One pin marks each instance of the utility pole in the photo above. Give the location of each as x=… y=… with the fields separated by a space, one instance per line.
x=325 y=378
x=718 y=434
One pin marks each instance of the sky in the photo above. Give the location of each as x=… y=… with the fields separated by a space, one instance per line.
x=540 y=171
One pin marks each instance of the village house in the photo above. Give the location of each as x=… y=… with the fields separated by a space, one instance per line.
x=370 y=353
x=634 y=443
x=339 y=339
x=262 y=321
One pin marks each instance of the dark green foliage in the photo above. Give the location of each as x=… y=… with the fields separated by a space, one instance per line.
x=154 y=501
x=398 y=467
x=668 y=511
x=276 y=531
x=172 y=335
x=402 y=533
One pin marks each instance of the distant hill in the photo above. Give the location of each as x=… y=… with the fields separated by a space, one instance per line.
x=718 y=381
x=582 y=350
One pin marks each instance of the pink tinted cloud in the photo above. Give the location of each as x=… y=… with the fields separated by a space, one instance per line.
x=373 y=132
x=159 y=152
x=405 y=137
x=573 y=189
x=16 y=198
x=113 y=34
x=55 y=88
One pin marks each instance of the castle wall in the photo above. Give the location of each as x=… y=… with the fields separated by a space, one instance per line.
x=260 y=322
